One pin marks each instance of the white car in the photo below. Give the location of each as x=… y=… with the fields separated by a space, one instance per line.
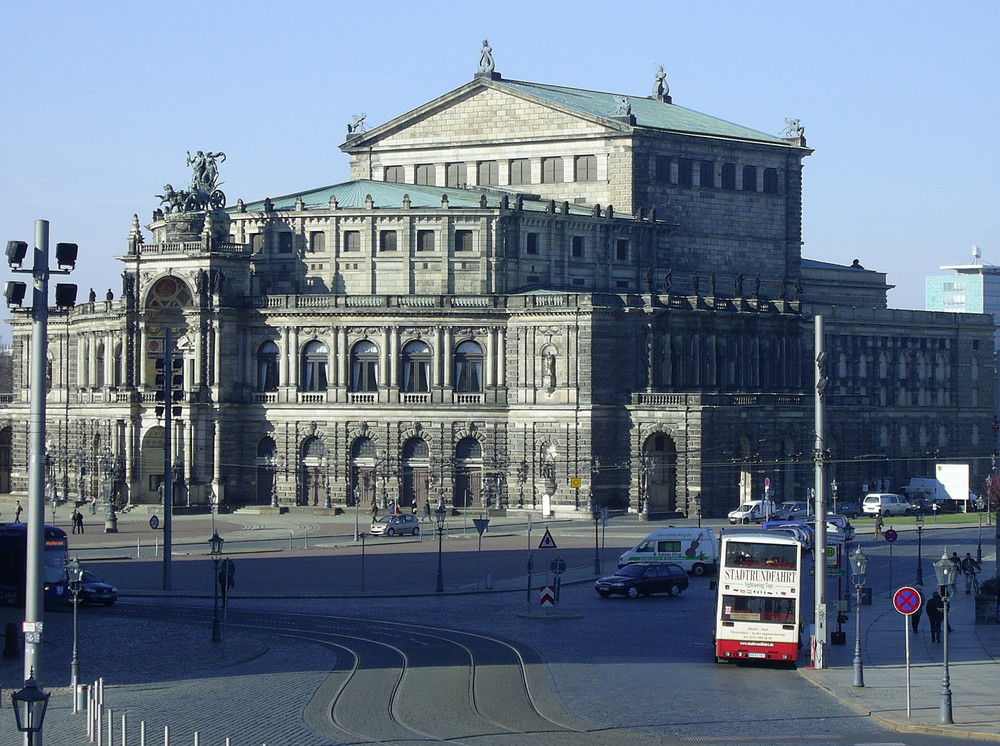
x=886 y=503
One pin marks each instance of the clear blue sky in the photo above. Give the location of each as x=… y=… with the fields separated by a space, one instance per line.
x=103 y=100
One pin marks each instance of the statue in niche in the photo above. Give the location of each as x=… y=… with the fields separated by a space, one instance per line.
x=711 y=284
x=218 y=278
x=797 y=288
x=738 y=286
x=668 y=281
x=695 y=284
x=486 y=64
x=650 y=281
x=549 y=368
x=782 y=287
x=756 y=287
x=128 y=285
x=201 y=281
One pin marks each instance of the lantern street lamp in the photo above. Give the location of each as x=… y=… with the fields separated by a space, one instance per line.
x=215 y=551
x=859 y=567
x=439 y=516
x=595 y=508
x=30 y=704
x=74 y=574
x=944 y=568
x=919 y=517
x=834 y=488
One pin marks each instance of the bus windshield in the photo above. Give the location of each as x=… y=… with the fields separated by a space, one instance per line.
x=751 y=554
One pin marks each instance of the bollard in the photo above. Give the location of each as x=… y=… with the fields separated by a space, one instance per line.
x=11 y=649
x=489 y=581
x=82 y=693
x=137 y=552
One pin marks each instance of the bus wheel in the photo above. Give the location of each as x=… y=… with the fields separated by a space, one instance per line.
x=697 y=569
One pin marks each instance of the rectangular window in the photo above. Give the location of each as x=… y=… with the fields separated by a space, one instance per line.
x=387 y=240
x=463 y=240
x=284 y=243
x=771 y=180
x=586 y=167
x=749 y=178
x=352 y=240
x=685 y=172
x=662 y=174
x=488 y=173
x=256 y=243
x=520 y=171
x=394 y=174
x=707 y=174
x=621 y=250
x=577 y=247
x=621 y=284
x=425 y=174
x=729 y=176
x=531 y=243
x=455 y=175
x=425 y=240
x=317 y=241
x=552 y=170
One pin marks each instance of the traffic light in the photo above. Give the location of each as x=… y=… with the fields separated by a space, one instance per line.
x=177 y=384
x=169 y=388
x=161 y=387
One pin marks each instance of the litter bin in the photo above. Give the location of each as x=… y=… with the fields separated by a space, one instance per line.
x=866 y=596
x=81 y=697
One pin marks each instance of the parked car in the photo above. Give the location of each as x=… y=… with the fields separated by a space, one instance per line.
x=95 y=592
x=799 y=531
x=838 y=528
x=643 y=578
x=792 y=510
x=886 y=503
x=752 y=511
x=391 y=525
x=847 y=508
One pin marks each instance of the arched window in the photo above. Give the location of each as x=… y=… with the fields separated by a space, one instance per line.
x=468 y=367
x=364 y=366
x=99 y=362
x=267 y=367
x=314 y=361
x=416 y=372
x=119 y=363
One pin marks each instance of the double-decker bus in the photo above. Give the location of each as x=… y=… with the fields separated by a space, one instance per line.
x=760 y=583
x=13 y=556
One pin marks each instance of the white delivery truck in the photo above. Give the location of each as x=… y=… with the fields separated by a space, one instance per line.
x=752 y=511
x=694 y=549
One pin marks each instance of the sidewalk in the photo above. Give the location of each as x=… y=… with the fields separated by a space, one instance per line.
x=972 y=661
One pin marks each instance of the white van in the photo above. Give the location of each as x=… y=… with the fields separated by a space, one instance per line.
x=694 y=549
x=886 y=503
x=752 y=511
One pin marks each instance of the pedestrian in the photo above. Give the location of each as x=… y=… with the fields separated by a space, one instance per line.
x=374 y=509
x=93 y=507
x=17 y=512
x=427 y=510
x=969 y=569
x=935 y=615
x=72 y=520
x=79 y=522
x=878 y=525
x=915 y=616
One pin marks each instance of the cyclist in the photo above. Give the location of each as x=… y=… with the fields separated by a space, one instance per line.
x=969 y=568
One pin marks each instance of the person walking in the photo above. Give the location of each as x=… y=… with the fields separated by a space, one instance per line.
x=374 y=509
x=915 y=616
x=879 y=523
x=969 y=569
x=17 y=512
x=79 y=522
x=72 y=520
x=935 y=615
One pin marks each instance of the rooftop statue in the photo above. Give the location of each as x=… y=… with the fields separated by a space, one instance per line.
x=204 y=193
x=623 y=107
x=486 y=64
x=357 y=124
x=793 y=128
x=661 y=91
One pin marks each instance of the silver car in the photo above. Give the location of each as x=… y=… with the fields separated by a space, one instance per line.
x=391 y=525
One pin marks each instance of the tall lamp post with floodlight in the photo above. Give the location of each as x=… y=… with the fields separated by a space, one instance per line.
x=859 y=568
x=439 y=516
x=215 y=551
x=919 y=518
x=945 y=570
x=74 y=574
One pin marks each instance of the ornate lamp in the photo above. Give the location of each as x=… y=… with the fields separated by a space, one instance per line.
x=30 y=704
x=859 y=568
x=945 y=570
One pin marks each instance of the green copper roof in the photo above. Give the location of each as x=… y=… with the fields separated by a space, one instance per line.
x=352 y=195
x=648 y=112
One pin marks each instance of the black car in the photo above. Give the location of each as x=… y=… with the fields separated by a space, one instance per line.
x=847 y=508
x=94 y=591
x=643 y=578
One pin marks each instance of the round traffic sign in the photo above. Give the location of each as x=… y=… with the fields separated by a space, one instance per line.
x=558 y=566
x=890 y=535
x=767 y=481
x=907 y=600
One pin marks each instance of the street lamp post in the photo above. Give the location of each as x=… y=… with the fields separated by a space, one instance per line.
x=357 y=512
x=439 y=516
x=979 y=543
x=920 y=560
x=595 y=508
x=859 y=567
x=834 y=487
x=74 y=574
x=30 y=704
x=944 y=568
x=215 y=551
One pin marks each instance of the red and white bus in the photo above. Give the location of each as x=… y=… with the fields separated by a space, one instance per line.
x=760 y=584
